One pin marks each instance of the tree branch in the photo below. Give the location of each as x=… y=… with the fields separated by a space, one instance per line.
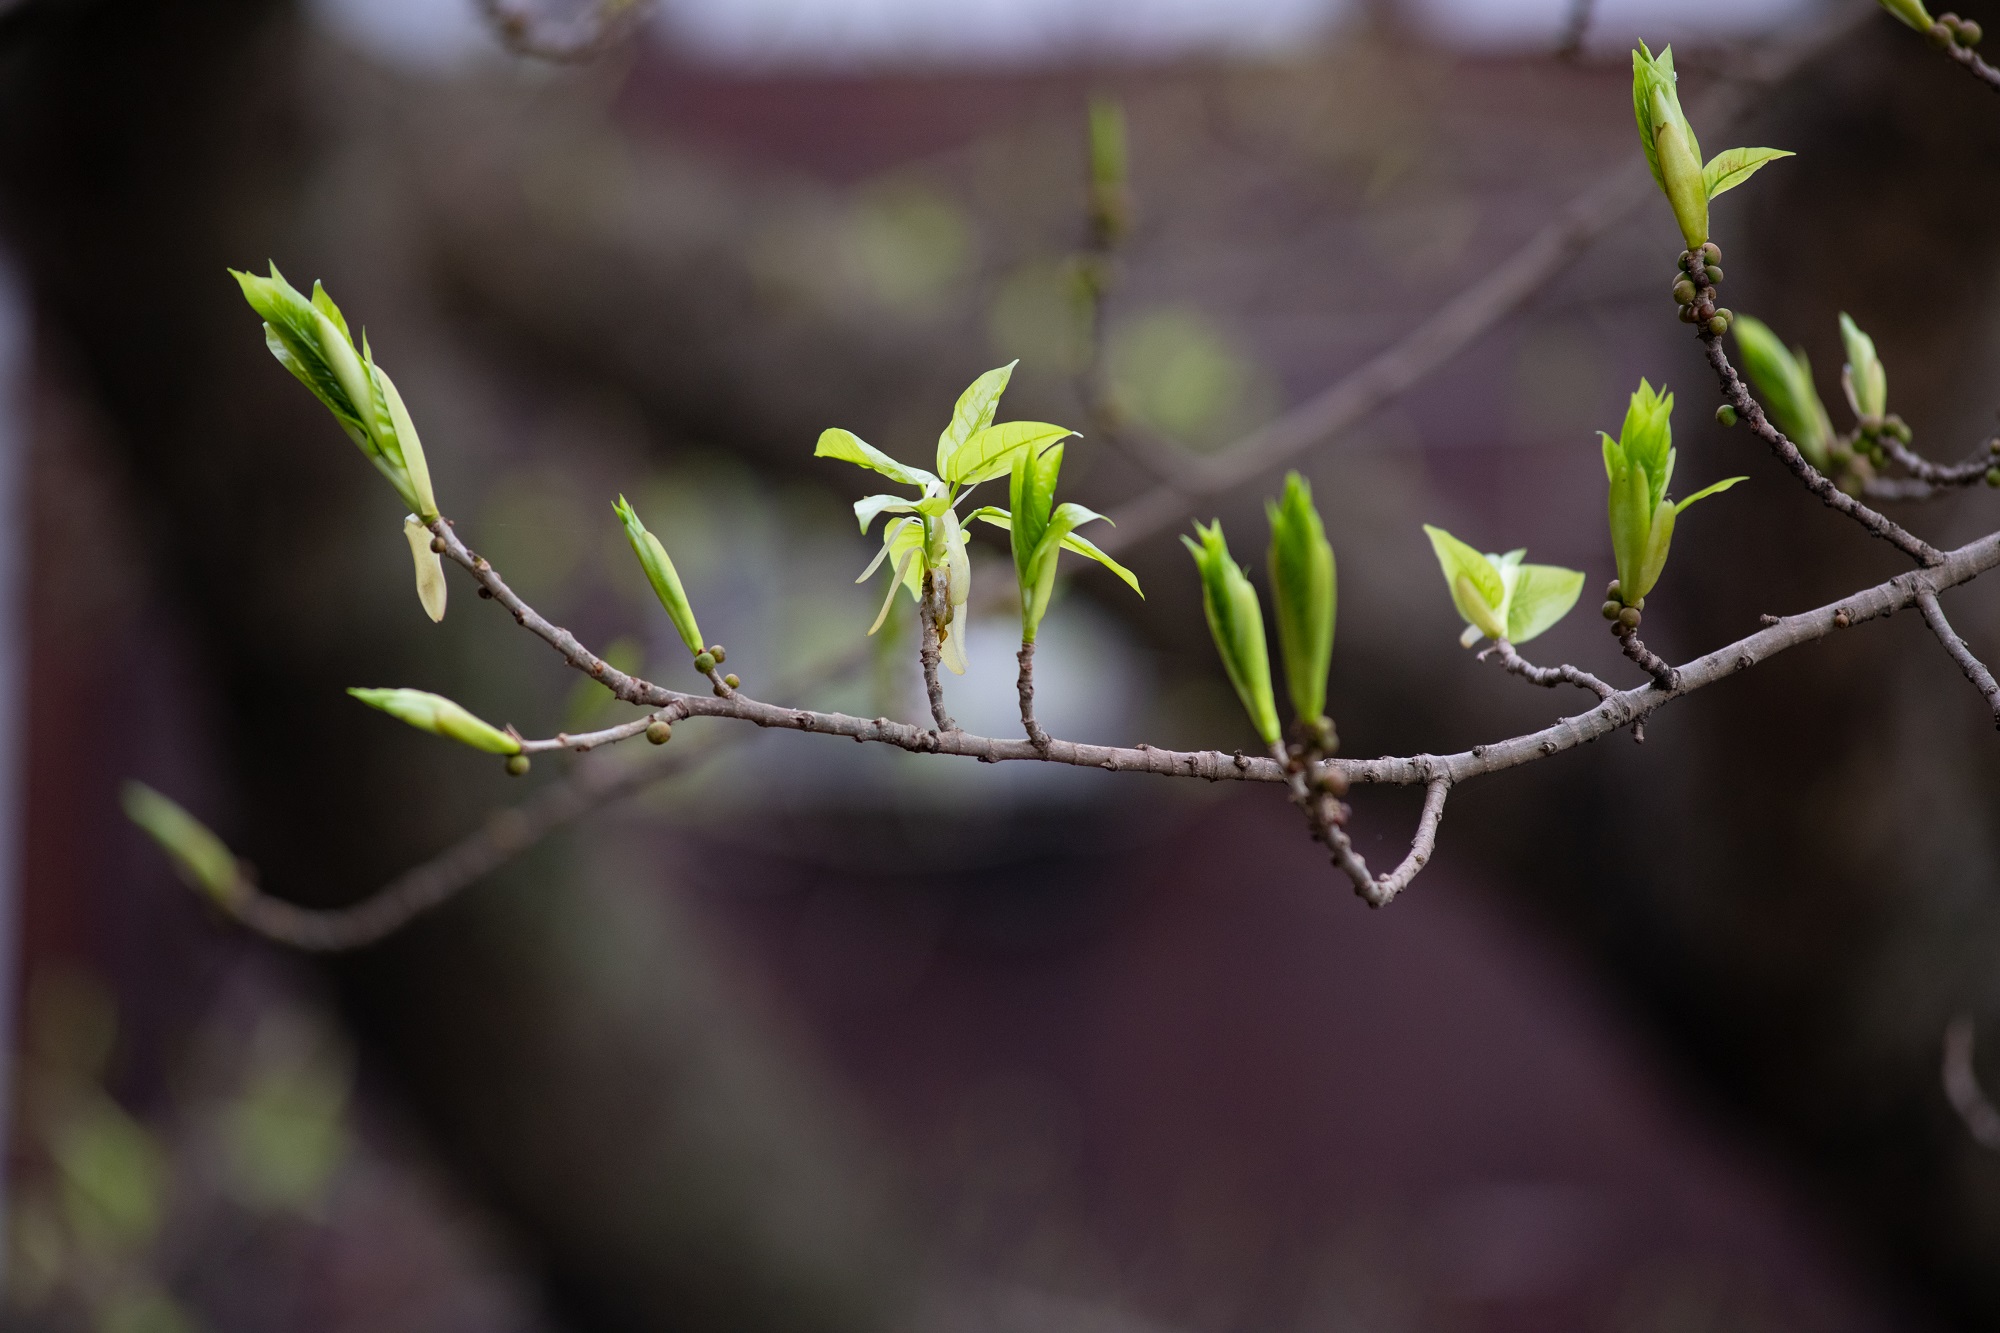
x=1549 y=677
x=1961 y=653
x=1024 y=685
x=1961 y=1085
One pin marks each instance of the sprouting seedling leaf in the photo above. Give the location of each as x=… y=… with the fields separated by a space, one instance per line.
x=1672 y=151
x=660 y=572
x=1304 y=595
x=990 y=452
x=1783 y=379
x=310 y=338
x=1732 y=166
x=201 y=858
x=851 y=448
x=440 y=717
x=1236 y=622
x=431 y=588
x=1864 y=378
x=973 y=413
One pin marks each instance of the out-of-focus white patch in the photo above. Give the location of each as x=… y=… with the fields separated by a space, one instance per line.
x=434 y=35
x=1613 y=23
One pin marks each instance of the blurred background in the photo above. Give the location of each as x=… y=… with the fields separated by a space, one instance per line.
x=808 y=1037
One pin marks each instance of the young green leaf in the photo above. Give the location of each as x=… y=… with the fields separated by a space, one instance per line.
x=973 y=413
x=990 y=451
x=430 y=569
x=660 y=572
x=1477 y=589
x=1540 y=596
x=1863 y=377
x=1911 y=12
x=1304 y=595
x=441 y=717
x=1731 y=167
x=1783 y=379
x=851 y=448
x=1236 y=622
x=201 y=858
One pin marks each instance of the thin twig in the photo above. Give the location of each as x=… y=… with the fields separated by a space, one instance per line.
x=1972 y=471
x=1549 y=677
x=1662 y=672
x=1961 y=1085
x=1737 y=395
x=1421 y=847
x=932 y=651
x=1961 y=653
x=1968 y=59
x=1024 y=685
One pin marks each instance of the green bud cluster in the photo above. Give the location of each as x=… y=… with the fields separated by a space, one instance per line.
x=1951 y=30
x=1674 y=153
x=1639 y=465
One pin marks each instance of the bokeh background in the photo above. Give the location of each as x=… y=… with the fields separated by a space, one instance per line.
x=809 y=1037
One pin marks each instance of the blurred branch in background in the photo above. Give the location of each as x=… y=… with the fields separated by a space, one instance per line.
x=1961 y=1086
x=587 y=30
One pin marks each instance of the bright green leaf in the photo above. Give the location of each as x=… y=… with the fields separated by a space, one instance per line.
x=1304 y=595
x=439 y=716
x=660 y=572
x=1707 y=491
x=1236 y=622
x=973 y=413
x=990 y=452
x=851 y=448
x=1541 y=596
x=1731 y=167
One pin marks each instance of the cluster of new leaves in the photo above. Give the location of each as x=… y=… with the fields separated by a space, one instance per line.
x=1673 y=152
x=926 y=547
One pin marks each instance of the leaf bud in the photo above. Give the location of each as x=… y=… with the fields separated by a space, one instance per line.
x=1687 y=314
x=1629 y=617
x=1940 y=36
x=731 y=680
x=1714 y=275
x=659 y=731
x=715 y=650
x=517 y=765
x=1611 y=590
x=1725 y=415
x=1687 y=260
x=441 y=717
x=1684 y=292
x=1236 y=623
x=1718 y=325
x=704 y=662
x=1711 y=253
x=1612 y=608
x=660 y=572
x=1303 y=595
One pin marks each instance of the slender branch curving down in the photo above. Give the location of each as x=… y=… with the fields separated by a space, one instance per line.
x=1961 y=1086
x=1961 y=653
x=1549 y=677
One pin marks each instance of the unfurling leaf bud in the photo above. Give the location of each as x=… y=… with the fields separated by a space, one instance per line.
x=1236 y=621
x=1639 y=464
x=665 y=579
x=310 y=338
x=1500 y=597
x=1864 y=378
x=1669 y=141
x=441 y=717
x=659 y=731
x=1304 y=595
x=517 y=765
x=1911 y=12
x=704 y=662
x=1784 y=380
x=430 y=569
x=201 y=858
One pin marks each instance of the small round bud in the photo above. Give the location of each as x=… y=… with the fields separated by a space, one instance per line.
x=517 y=764
x=1684 y=292
x=704 y=662
x=1899 y=428
x=659 y=731
x=1993 y=445
x=1993 y=476
x=1612 y=608
x=1611 y=590
x=1940 y=36
x=731 y=681
x=1704 y=311
x=715 y=650
x=1687 y=314
x=1629 y=617
x=437 y=546
x=1711 y=253
x=485 y=591
x=1718 y=325
x=1714 y=275
x=1725 y=415
x=1687 y=260
x=1969 y=32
